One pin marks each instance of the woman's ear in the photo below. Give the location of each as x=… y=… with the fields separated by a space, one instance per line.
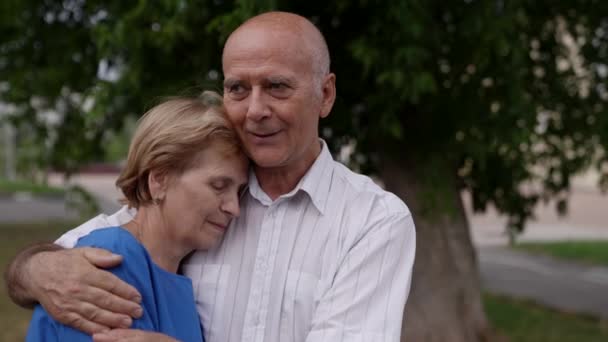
x=157 y=183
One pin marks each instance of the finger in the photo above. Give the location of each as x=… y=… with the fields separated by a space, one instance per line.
x=103 y=317
x=108 y=301
x=101 y=257
x=116 y=335
x=112 y=284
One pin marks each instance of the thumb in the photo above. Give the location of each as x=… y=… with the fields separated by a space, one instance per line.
x=115 y=335
x=107 y=336
x=100 y=257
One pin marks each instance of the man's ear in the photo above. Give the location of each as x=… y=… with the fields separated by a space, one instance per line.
x=157 y=183
x=329 y=95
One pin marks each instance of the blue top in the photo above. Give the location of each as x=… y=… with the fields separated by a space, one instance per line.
x=167 y=298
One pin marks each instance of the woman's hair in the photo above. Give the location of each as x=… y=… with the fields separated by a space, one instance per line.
x=169 y=139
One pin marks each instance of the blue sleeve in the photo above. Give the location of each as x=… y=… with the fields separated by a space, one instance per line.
x=134 y=269
x=45 y=329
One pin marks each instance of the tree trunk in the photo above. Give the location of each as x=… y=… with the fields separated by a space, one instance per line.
x=445 y=298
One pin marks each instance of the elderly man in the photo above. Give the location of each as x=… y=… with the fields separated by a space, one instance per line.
x=319 y=253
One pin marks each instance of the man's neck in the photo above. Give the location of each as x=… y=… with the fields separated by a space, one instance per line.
x=281 y=180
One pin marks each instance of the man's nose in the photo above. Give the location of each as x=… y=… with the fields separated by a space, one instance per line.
x=258 y=105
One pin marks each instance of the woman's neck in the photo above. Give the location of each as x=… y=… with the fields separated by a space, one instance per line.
x=150 y=230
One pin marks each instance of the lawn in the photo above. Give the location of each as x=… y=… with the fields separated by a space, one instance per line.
x=595 y=252
x=520 y=320
x=524 y=321
x=14 y=320
x=10 y=187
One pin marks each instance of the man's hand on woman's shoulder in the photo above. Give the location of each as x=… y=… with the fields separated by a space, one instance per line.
x=72 y=288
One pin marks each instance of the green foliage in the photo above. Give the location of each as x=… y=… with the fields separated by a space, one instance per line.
x=595 y=252
x=510 y=94
x=11 y=187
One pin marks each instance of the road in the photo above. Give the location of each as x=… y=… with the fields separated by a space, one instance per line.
x=566 y=286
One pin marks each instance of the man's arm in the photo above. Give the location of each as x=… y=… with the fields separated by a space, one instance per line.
x=366 y=299
x=71 y=287
x=14 y=275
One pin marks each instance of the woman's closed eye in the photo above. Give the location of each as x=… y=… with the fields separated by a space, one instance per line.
x=219 y=185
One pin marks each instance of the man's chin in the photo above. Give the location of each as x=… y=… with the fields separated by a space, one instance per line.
x=267 y=160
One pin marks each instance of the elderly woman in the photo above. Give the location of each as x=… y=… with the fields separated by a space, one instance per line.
x=184 y=172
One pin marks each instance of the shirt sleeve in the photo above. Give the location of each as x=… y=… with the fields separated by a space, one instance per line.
x=122 y=216
x=366 y=299
x=45 y=329
x=135 y=269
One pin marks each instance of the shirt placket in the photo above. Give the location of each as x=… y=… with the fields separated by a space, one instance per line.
x=259 y=299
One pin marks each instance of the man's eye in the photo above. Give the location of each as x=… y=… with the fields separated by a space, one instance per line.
x=236 y=91
x=236 y=88
x=278 y=86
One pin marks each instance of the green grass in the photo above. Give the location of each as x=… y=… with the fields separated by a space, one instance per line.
x=595 y=252
x=523 y=321
x=13 y=237
x=519 y=320
x=31 y=187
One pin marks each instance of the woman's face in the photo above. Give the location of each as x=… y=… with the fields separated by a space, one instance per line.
x=199 y=204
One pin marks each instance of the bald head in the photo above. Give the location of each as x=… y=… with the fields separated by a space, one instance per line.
x=308 y=37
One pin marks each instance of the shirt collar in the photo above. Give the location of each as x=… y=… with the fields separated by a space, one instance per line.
x=315 y=182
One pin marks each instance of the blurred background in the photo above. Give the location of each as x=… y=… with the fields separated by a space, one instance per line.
x=489 y=118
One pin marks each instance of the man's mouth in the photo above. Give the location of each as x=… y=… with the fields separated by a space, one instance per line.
x=219 y=226
x=263 y=135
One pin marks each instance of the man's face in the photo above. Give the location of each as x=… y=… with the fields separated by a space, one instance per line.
x=273 y=97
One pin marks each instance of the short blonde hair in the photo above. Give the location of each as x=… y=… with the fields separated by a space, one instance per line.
x=169 y=138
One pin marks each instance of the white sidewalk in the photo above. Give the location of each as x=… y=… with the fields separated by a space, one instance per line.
x=101 y=186
x=586 y=219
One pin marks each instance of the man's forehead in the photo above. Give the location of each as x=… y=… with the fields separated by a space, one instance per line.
x=265 y=57
x=241 y=78
x=262 y=40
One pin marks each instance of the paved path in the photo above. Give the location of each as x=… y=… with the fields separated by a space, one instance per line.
x=27 y=209
x=24 y=208
x=101 y=186
x=567 y=286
